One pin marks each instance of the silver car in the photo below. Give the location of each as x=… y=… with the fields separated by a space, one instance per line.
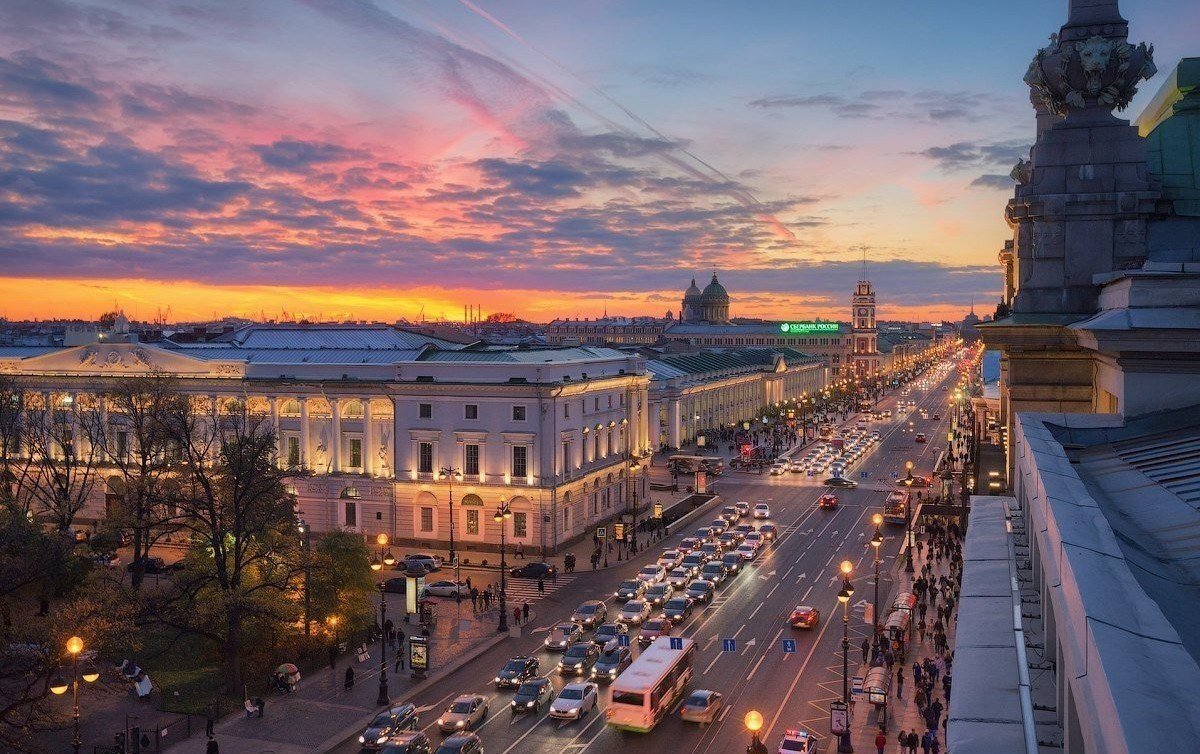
x=574 y=701
x=590 y=614
x=465 y=713
x=563 y=635
x=634 y=611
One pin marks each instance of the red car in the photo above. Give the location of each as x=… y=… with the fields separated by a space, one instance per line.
x=828 y=502
x=920 y=437
x=805 y=616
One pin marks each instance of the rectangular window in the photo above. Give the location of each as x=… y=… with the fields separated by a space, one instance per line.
x=471 y=411
x=426 y=519
x=351 y=514
x=425 y=458
x=566 y=458
x=566 y=519
x=472 y=521
x=425 y=410
x=596 y=403
x=356 y=453
x=520 y=524
x=293 y=451
x=378 y=515
x=471 y=460
x=566 y=410
x=518 y=413
x=610 y=401
x=520 y=458
x=123 y=445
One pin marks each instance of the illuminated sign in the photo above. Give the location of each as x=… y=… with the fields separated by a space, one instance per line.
x=800 y=328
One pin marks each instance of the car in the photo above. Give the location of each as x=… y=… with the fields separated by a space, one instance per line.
x=590 y=614
x=680 y=577
x=729 y=540
x=743 y=508
x=396 y=585
x=420 y=561
x=578 y=659
x=652 y=574
x=747 y=552
x=715 y=573
x=669 y=559
x=702 y=706
x=796 y=741
x=414 y=742
x=687 y=545
x=694 y=561
x=769 y=532
x=461 y=743
x=755 y=538
x=516 y=671
x=106 y=559
x=743 y=529
x=842 y=482
x=562 y=636
x=762 y=510
x=447 y=589
x=464 y=713
x=634 y=612
x=799 y=467
x=608 y=633
x=730 y=514
x=805 y=616
x=731 y=562
x=531 y=696
x=388 y=723
x=705 y=533
x=534 y=571
x=659 y=593
x=778 y=469
x=611 y=662
x=652 y=629
x=710 y=551
x=574 y=701
x=630 y=589
x=677 y=609
x=828 y=502
x=701 y=590
x=718 y=525
x=937 y=417
x=920 y=437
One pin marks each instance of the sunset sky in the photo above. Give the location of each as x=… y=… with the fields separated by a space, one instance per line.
x=376 y=158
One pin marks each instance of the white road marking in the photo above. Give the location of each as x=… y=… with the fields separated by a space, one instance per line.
x=755 y=668
x=749 y=644
x=714 y=662
x=771 y=592
x=756 y=609
x=789 y=570
x=806 y=593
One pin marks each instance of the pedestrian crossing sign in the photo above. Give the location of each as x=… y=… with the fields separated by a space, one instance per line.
x=728 y=645
x=622 y=640
x=601 y=532
x=676 y=642
x=895 y=475
x=789 y=646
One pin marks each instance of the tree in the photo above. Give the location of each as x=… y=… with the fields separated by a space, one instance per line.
x=341 y=579
x=60 y=473
x=238 y=582
x=131 y=430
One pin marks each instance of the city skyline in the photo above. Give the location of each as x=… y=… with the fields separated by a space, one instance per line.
x=377 y=160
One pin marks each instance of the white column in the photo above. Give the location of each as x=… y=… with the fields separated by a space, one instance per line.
x=646 y=439
x=335 y=436
x=368 y=450
x=673 y=428
x=280 y=449
x=102 y=421
x=304 y=455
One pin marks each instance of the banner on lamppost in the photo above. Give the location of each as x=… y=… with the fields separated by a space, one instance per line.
x=418 y=654
x=658 y=510
x=619 y=530
x=839 y=718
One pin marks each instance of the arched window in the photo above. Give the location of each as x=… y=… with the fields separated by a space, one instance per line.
x=351 y=493
x=472 y=500
x=290 y=408
x=353 y=410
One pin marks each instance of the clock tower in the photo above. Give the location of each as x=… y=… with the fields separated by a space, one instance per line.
x=865 y=336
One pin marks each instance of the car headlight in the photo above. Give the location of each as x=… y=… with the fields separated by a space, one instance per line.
x=528 y=704
x=362 y=740
x=496 y=679
x=381 y=740
x=439 y=722
x=460 y=723
x=546 y=642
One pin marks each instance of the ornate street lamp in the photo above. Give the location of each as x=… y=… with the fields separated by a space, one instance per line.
x=59 y=686
x=502 y=515
x=847 y=591
x=451 y=473
x=383 y=558
x=876 y=541
x=754 y=723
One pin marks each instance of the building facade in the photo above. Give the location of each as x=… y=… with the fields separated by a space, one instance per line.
x=866 y=358
x=369 y=417
x=617 y=331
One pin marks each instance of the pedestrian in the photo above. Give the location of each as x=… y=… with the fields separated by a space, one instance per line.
x=525 y=612
x=210 y=717
x=902 y=739
x=921 y=629
x=900 y=683
x=486 y=597
x=922 y=609
x=866 y=649
x=398 y=665
x=262 y=706
x=880 y=742
x=468 y=583
x=332 y=656
x=213 y=747
x=349 y=683
x=919 y=697
x=554 y=574
x=946 y=686
x=517 y=615
x=474 y=599
x=541 y=586
x=935 y=746
x=926 y=741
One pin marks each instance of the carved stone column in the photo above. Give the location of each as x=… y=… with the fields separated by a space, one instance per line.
x=305 y=456
x=280 y=449
x=368 y=450
x=335 y=436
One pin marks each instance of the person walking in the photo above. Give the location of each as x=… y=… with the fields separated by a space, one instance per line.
x=517 y=616
x=349 y=678
x=926 y=741
x=866 y=649
x=213 y=747
x=541 y=586
x=333 y=657
x=210 y=718
x=902 y=739
x=880 y=742
x=525 y=612
x=900 y=682
x=520 y=550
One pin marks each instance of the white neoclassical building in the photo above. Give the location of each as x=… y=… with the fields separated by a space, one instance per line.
x=369 y=415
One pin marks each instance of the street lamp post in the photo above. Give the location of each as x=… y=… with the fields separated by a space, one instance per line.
x=59 y=686
x=847 y=591
x=876 y=541
x=754 y=723
x=382 y=558
x=502 y=515
x=451 y=473
x=306 y=535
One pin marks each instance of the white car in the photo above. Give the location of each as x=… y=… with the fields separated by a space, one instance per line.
x=669 y=559
x=574 y=701
x=762 y=510
x=652 y=574
x=634 y=612
x=680 y=577
x=755 y=538
x=465 y=712
x=747 y=551
x=447 y=589
x=743 y=508
x=779 y=468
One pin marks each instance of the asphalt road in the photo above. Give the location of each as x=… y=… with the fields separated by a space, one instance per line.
x=790 y=690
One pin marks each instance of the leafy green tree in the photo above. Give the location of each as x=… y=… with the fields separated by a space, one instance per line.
x=341 y=579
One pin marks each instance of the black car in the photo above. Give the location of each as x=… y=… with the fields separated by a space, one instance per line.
x=397 y=585
x=534 y=571
x=516 y=671
x=609 y=632
x=732 y=561
x=677 y=609
x=415 y=742
x=715 y=572
x=700 y=591
x=531 y=696
x=153 y=566
x=461 y=743
x=842 y=482
x=387 y=724
x=579 y=658
x=630 y=589
x=610 y=663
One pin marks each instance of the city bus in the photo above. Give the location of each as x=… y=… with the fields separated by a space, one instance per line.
x=650 y=687
x=713 y=465
x=895 y=507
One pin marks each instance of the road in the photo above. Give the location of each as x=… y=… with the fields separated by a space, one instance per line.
x=790 y=690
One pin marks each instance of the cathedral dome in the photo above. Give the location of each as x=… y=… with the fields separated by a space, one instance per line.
x=693 y=292
x=714 y=291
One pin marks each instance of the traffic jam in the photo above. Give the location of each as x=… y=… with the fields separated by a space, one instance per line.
x=632 y=660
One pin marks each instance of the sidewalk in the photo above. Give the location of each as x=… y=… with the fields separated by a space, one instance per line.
x=903 y=713
x=323 y=713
